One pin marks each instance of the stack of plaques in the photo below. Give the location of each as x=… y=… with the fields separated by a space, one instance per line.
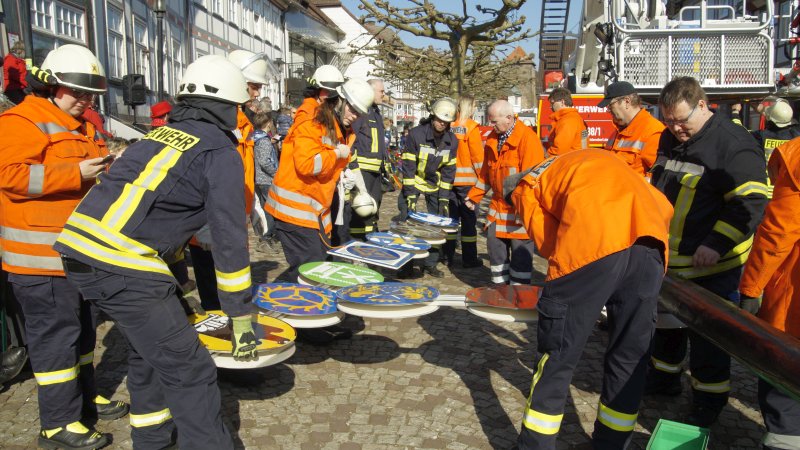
x=372 y=254
x=275 y=337
x=388 y=300
x=300 y=306
x=418 y=247
x=509 y=303
x=447 y=224
x=432 y=235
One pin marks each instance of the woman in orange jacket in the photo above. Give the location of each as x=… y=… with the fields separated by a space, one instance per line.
x=773 y=269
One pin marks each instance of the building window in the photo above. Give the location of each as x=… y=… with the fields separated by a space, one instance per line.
x=216 y=7
x=116 y=43
x=141 y=57
x=42 y=12
x=177 y=66
x=233 y=12
x=69 y=21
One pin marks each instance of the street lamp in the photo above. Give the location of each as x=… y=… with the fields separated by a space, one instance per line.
x=160 y=8
x=279 y=63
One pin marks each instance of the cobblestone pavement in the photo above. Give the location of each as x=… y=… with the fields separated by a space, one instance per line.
x=448 y=380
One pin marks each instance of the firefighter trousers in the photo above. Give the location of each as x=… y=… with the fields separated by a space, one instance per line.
x=60 y=333
x=468 y=220
x=510 y=259
x=627 y=284
x=360 y=226
x=781 y=415
x=172 y=380
x=300 y=245
x=710 y=366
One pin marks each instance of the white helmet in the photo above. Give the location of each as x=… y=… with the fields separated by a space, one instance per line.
x=364 y=205
x=76 y=66
x=780 y=113
x=358 y=93
x=213 y=76
x=253 y=65
x=327 y=77
x=445 y=109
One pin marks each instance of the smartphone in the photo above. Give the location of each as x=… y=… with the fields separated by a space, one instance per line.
x=108 y=159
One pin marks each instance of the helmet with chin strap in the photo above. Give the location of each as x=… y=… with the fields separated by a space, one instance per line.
x=76 y=67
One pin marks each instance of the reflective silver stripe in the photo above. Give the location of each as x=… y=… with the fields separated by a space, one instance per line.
x=296 y=197
x=665 y=367
x=502 y=216
x=467 y=170
x=36 y=179
x=29 y=237
x=499 y=267
x=317 y=164
x=499 y=278
x=481 y=185
x=146 y=420
x=510 y=229
x=684 y=167
x=783 y=441
x=624 y=143
x=56 y=376
x=86 y=359
x=519 y=275
x=292 y=212
x=326 y=219
x=478 y=165
x=714 y=388
x=512 y=170
x=54 y=128
x=32 y=262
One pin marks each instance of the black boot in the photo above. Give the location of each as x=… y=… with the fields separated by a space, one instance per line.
x=434 y=272
x=702 y=416
x=74 y=436
x=13 y=361
x=105 y=409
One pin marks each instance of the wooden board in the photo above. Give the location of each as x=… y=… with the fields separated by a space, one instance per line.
x=338 y=274
x=505 y=297
x=215 y=331
x=387 y=294
x=295 y=299
x=372 y=254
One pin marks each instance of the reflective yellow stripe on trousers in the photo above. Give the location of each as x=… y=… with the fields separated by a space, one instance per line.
x=536 y=421
x=56 y=376
x=150 y=419
x=614 y=419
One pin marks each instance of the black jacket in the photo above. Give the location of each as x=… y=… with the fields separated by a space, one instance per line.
x=429 y=168
x=716 y=182
x=369 y=148
x=153 y=199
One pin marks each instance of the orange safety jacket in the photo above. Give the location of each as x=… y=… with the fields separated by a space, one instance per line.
x=774 y=263
x=569 y=132
x=469 y=158
x=306 y=111
x=246 y=148
x=40 y=181
x=521 y=151
x=586 y=205
x=302 y=191
x=637 y=144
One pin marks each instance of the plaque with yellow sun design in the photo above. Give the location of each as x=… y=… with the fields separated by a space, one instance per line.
x=295 y=299
x=388 y=294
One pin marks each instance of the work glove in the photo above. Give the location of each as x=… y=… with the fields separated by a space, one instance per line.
x=411 y=201
x=348 y=179
x=750 y=304
x=444 y=207
x=342 y=151
x=244 y=339
x=511 y=182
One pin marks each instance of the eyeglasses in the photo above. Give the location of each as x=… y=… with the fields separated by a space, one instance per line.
x=680 y=123
x=82 y=95
x=616 y=100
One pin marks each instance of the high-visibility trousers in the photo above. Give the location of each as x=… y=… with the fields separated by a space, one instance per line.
x=781 y=415
x=627 y=284
x=360 y=226
x=60 y=330
x=172 y=380
x=710 y=366
x=510 y=260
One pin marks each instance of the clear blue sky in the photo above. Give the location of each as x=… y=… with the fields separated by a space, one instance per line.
x=531 y=10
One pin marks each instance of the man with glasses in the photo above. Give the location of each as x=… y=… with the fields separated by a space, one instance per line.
x=714 y=174
x=569 y=131
x=638 y=132
x=49 y=160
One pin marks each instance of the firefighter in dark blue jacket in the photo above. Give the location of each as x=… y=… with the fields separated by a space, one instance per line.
x=177 y=179
x=369 y=157
x=429 y=167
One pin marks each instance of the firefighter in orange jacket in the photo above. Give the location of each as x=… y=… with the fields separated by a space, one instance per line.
x=511 y=148
x=569 y=131
x=595 y=259
x=254 y=69
x=48 y=161
x=773 y=269
x=469 y=161
x=311 y=162
x=638 y=132
x=321 y=85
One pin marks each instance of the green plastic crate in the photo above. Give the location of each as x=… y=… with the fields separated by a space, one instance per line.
x=670 y=435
